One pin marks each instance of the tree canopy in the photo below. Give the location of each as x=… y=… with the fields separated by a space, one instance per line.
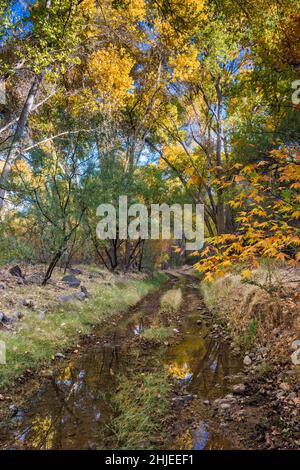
x=164 y=101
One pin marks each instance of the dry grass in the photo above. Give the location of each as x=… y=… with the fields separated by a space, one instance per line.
x=171 y=300
x=254 y=314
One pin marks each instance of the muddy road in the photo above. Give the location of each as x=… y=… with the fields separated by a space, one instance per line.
x=76 y=407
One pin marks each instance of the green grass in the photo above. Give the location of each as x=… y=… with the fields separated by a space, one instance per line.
x=263 y=369
x=36 y=341
x=251 y=333
x=246 y=340
x=159 y=334
x=142 y=402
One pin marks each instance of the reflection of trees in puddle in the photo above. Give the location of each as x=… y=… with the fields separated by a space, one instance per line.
x=182 y=373
x=70 y=411
x=184 y=356
x=211 y=372
x=200 y=438
x=203 y=438
x=204 y=363
x=184 y=441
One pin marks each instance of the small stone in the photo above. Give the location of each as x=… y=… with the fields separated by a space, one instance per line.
x=85 y=291
x=34 y=279
x=71 y=280
x=247 y=361
x=184 y=398
x=285 y=387
x=19 y=315
x=14 y=410
x=59 y=356
x=16 y=271
x=175 y=330
x=199 y=321
x=80 y=296
x=225 y=406
x=75 y=271
x=28 y=303
x=223 y=425
x=295 y=344
x=65 y=298
x=4 y=318
x=295 y=357
x=239 y=389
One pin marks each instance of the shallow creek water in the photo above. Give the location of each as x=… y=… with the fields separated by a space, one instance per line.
x=74 y=409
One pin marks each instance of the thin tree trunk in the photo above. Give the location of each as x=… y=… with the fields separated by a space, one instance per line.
x=17 y=138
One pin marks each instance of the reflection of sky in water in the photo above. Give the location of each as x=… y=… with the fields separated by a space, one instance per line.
x=201 y=437
x=137 y=329
x=213 y=365
x=19 y=416
x=188 y=375
x=22 y=437
x=186 y=379
x=66 y=383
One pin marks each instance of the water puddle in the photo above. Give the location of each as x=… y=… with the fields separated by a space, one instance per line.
x=75 y=409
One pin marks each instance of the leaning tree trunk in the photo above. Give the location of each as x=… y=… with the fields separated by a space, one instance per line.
x=17 y=138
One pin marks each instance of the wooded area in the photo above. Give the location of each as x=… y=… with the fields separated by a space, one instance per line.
x=166 y=102
x=169 y=101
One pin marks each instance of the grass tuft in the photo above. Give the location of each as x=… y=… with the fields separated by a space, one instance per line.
x=141 y=402
x=171 y=300
x=159 y=334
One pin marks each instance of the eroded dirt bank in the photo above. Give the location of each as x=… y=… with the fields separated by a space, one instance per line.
x=164 y=376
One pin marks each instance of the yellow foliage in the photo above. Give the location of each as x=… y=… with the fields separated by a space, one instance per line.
x=246 y=274
x=109 y=69
x=186 y=65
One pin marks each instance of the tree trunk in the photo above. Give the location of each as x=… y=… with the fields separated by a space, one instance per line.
x=17 y=138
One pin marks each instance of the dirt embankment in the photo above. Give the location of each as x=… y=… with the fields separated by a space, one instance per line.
x=263 y=319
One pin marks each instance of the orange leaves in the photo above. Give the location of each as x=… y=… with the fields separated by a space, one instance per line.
x=267 y=211
x=239 y=178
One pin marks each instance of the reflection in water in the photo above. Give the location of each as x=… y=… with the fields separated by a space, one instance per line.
x=138 y=329
x=201 y=437
x=182 y=373
x=202 y=361
x=207 y=367
x=75 y=409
